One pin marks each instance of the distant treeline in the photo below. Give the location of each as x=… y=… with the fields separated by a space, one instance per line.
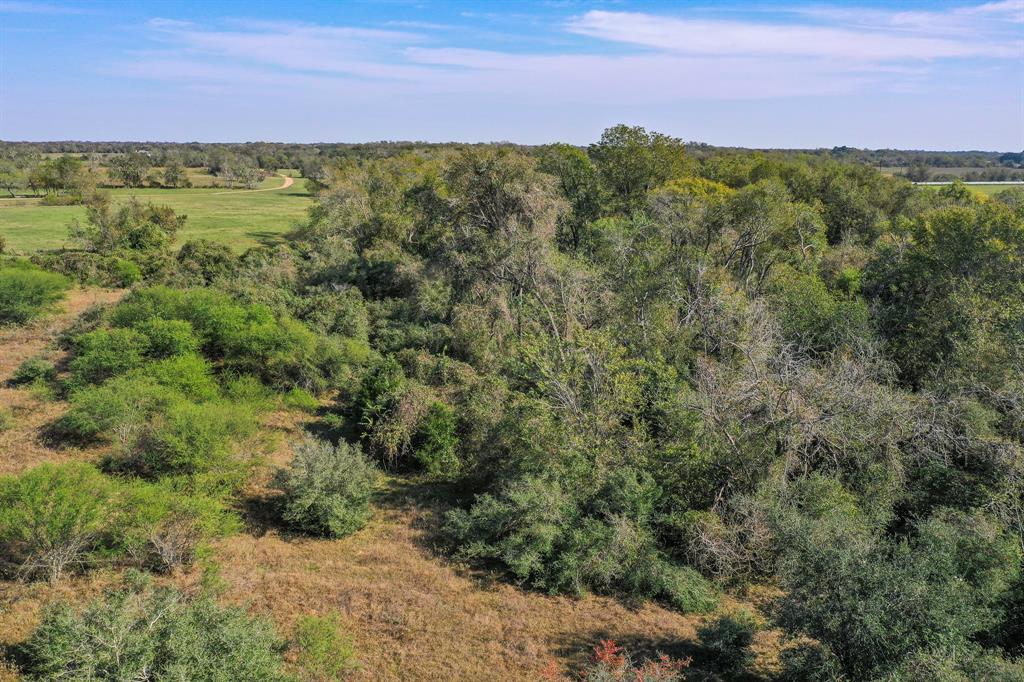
x=290 y=155
x=68 y=171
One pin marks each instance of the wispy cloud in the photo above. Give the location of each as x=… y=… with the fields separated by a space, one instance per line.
x=631 y=56
x=724 y=37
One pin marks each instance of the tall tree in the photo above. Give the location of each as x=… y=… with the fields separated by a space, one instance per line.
x=632 y=161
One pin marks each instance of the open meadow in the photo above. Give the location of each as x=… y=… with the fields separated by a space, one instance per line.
x=236 y=217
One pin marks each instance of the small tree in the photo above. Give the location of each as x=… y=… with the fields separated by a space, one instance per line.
x=327 y=488
x=130 y=168
x=174 y=174
x=52 y=517
x=142 y=633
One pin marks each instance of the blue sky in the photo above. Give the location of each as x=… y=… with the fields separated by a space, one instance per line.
x=933 y=75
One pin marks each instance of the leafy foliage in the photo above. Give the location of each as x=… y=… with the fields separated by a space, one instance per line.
x=142 y=632
x=26 y=292
x=327 y=488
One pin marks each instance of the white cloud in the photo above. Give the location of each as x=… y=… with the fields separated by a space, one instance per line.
x=723 y=37
x=665 y=58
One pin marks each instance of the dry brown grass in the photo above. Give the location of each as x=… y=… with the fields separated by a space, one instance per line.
x=414 y=616
x=22 y=446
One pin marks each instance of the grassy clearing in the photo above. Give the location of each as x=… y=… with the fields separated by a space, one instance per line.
x=986 y=189
x=237 y=218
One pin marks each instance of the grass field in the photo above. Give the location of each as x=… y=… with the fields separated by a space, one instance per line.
x=987 y=190
x=235 y=217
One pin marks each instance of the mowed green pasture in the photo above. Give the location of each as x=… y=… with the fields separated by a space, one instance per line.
x=237 y=218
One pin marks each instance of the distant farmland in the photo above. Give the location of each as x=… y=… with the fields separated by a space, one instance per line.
x=238 y=218
x=988 y=189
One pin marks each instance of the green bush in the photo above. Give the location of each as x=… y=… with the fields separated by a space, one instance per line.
x=37 y=369
x=106 y=353
x=168 y=337
x=194 y=438
x=437 y=443
x=164 y=528
x=190 y=375
x=202 y=261
x=142 y=633
x=26 y=291
x=91 y=268
x=122 y=272
x=53 y=518
x=299 y=399
x=726 y=641
x=541 y=535
x=335 y=310
x=874 y=602
x=246 y=388
x=122 y=406
x=327 y=488
x=325 y=649
x=57 y=517
x=241 y=338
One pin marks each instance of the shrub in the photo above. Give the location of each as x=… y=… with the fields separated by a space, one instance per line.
x=121 y=407
x=194 y=438
x=327 y=488
x=164 y=528
x=300 y=400
x=91 y=268
x=26 y=291
x=54 y=199
x=6 y=419
x=202 y=260
x=142 y=633
x=437 y=444
x=544 y=538
x=190 y=375
x=727 y=641
x=246 y=388
x=612 y=663
x=335 y=310
x=121 y=271
x=105 y=353
x=873 y=602
x=37 y=369
x=52 y=517
x=241 y=338
x=168 y=337
x=325 y=649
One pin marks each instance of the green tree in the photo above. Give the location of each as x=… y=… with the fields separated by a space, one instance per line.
x=129 y=169
x=631 y=162
x=578 y=181
x=174 y=174
x=948 y=299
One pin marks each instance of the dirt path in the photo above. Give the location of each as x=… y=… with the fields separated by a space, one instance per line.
x=21 y=445
x=288 y=182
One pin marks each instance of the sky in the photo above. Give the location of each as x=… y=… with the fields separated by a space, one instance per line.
x=790 y=73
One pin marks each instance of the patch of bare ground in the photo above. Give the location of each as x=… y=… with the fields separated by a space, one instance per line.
x=22 y=445
x=415 y=616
